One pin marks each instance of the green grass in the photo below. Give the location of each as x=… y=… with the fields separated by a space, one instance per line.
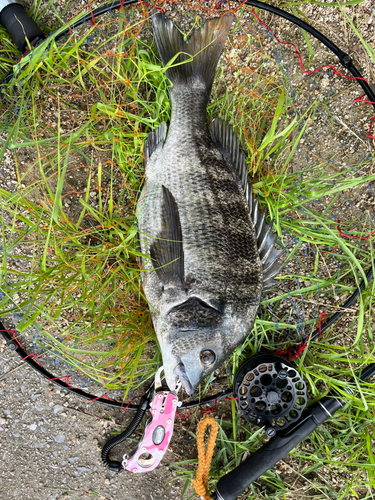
x=84 y=108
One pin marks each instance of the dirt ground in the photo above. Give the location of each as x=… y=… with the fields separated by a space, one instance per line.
x=51 y=441
x=51 y=444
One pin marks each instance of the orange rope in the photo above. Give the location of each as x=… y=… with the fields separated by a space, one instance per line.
x=205 y=456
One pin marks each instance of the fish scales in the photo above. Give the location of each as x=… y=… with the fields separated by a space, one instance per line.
x=203 y=277
x=219 y=242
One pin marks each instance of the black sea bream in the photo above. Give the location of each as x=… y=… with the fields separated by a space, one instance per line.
x=211 y=252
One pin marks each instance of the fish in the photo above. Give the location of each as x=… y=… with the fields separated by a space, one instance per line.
x=208 y=252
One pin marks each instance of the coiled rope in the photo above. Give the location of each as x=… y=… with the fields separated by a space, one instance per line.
x=205 y=456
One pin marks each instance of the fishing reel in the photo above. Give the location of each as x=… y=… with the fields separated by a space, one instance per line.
x=270 y=392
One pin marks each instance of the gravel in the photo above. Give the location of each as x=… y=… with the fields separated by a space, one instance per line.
x=48 y=456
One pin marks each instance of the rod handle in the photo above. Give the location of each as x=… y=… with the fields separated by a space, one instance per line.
x=19 y=25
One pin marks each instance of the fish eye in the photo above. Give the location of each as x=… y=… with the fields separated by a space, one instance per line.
x=207 y=357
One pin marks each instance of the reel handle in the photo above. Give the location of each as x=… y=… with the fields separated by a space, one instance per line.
x=19 y=25
x=230 y=486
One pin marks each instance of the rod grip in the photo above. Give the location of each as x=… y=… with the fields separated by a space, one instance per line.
x=230 y=486
x=19 y=25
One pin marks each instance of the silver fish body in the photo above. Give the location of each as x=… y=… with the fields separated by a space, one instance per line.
x=204 y=278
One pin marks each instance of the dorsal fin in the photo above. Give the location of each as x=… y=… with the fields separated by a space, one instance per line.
x=223 y=136
x=154 y=139
x=167 y=252
x=269 y=256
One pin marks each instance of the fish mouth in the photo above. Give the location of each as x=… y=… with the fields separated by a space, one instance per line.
x=180 y=372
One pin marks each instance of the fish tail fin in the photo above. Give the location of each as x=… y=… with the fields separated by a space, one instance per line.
x=205 y=46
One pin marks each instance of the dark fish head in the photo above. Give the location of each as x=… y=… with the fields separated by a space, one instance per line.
x=198 y=336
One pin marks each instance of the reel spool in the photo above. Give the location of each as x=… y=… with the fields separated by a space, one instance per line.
x=270 y=392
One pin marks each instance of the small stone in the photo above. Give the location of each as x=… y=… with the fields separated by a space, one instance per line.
x=106 y=482
x=57 y=409
x=60 y=438
x=72 y=459
x=33 y=427
x=82 y=469
x=3 y=421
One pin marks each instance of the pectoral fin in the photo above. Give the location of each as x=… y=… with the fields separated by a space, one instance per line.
x=167 y=250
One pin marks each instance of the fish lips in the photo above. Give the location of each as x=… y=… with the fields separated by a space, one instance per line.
x=174 y=371
x=180 y=373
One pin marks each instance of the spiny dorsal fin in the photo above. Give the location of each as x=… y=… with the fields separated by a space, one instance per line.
x=154 y=139
x=167 y=252
x=223 y=136
x=206 y=45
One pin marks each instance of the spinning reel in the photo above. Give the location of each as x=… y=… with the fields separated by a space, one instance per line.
x=270 y=392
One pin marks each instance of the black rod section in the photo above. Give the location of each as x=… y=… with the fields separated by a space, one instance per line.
x=233 y=484
x=19 y=25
